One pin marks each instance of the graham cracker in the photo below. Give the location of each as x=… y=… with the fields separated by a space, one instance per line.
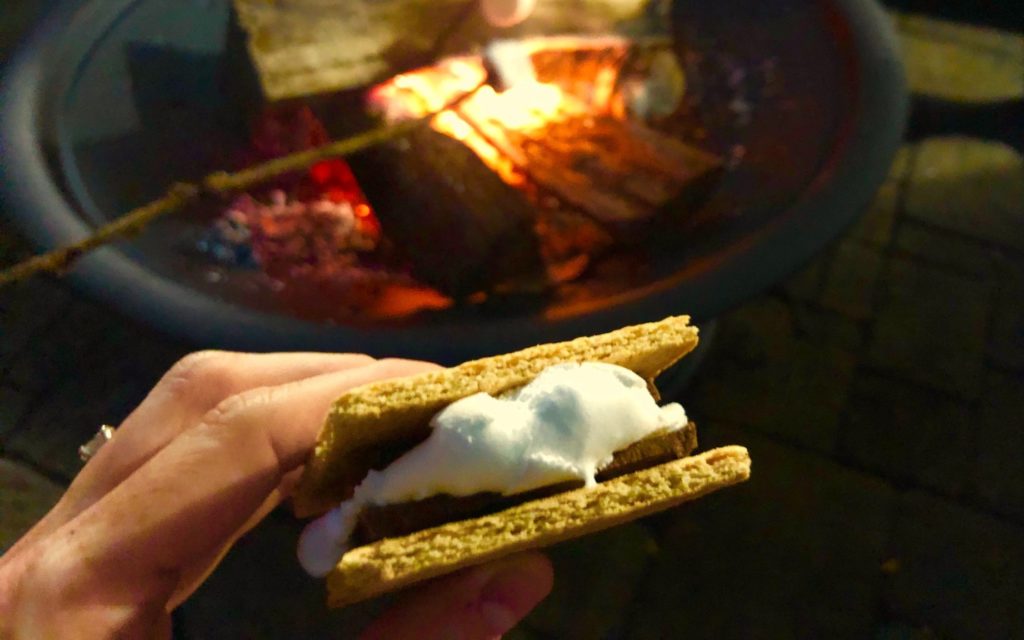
x=394 y=563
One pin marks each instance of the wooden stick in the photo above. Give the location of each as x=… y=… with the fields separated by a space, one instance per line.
x=220 y=183
x=60 y=260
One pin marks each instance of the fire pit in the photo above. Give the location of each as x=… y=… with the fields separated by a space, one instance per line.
x=769 y=129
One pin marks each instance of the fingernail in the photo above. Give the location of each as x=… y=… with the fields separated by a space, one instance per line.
x=498 y=617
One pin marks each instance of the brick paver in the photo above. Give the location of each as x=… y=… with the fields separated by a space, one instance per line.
x=1006 y=345
x=60 y=351
x=827 y=328
x=27 y=309
x=120 y=372
x=931 y=326
x=596 y=580
x=910 y=434
x=849 y=286
x=958 y=572
x=806 y=284
x=1000 y=465
x=759 y=366
x=793 y=553
x=961 y=62
x=970 y=187
x=875 y=227
x=944 y=249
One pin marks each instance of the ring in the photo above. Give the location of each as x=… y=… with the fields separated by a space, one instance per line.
x=88 y=450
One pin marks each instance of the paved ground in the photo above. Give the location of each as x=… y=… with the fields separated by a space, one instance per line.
x=880 y=390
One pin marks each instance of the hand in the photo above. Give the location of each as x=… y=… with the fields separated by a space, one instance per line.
x=215 y=446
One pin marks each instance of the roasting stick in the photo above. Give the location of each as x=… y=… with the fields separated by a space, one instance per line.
x=220 y=183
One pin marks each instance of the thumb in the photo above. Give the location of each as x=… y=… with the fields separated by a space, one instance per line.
x=476 y=604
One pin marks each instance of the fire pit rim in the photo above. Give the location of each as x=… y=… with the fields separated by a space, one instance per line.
x=44 y=214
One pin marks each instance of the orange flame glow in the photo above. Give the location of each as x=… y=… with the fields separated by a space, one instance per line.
x=525 y=108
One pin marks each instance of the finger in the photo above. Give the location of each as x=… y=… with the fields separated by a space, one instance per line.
x=477 y=604
x=129 y=551
x=188 y=391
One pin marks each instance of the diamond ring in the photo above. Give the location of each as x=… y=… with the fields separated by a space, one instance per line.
x=88 y=450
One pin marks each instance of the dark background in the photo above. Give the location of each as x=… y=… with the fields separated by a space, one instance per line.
x=880 y=391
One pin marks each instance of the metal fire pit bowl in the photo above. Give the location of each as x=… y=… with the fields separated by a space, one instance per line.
x=110 y=101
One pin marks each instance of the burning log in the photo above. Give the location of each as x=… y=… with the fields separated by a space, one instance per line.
x=617 y=172
x=591 y=176
x=561 y=138
x=459 y=226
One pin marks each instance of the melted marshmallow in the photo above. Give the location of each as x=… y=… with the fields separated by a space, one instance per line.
x=564 y=425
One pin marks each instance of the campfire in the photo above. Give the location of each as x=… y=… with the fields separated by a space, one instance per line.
x=552 y=161
x=490 y=119
x=569 y=124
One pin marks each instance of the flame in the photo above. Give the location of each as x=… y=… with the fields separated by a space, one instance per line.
x=527 y=107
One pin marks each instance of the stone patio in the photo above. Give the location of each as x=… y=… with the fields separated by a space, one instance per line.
x=880 y=391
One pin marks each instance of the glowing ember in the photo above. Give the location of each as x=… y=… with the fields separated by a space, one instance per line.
x=313 y=233
x=286 y=235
